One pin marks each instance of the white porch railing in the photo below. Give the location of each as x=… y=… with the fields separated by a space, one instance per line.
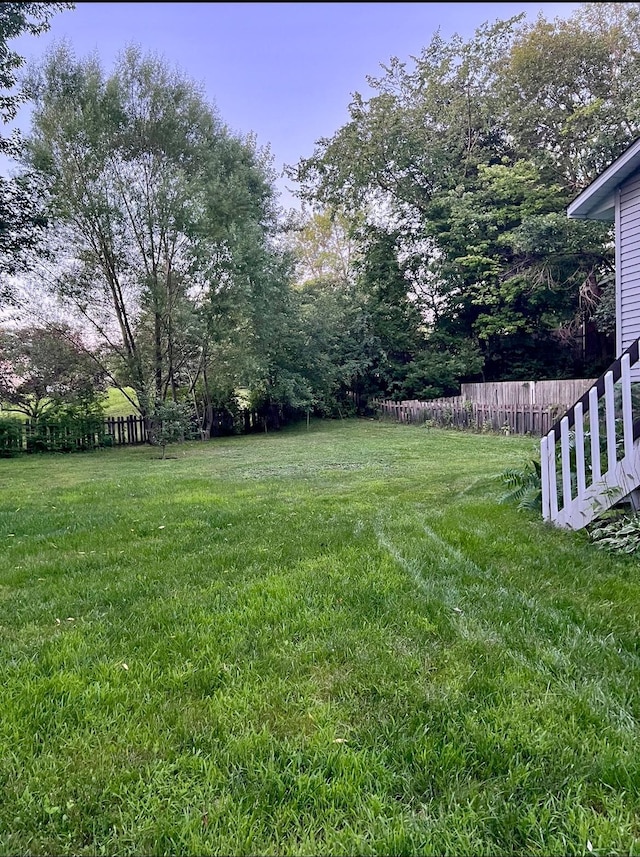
x=586 y=470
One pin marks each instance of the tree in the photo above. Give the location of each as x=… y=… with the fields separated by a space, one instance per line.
x=337 y=347
x=424 y=131
x=323 y=245
x=21 y=217
x=469 y=158
x=568 y=90
x=45 y=369
x=417 y=359
x=163 y=216
x=169 y=423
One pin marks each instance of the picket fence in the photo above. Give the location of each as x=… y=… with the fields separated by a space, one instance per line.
x=132 y=430
x=126 y=430
x=461 y=413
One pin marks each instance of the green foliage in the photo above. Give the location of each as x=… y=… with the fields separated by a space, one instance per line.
x=436 y=369
x=67 y=428
x=524 y=486
x=470 y=155
x=64 y=426
x=44 y=369
x=169 y=423
x=576 y=111
x=23 y=224
x=394 y=320
x=619 y=535
x=11 y=436
x=604 y=316
x=338 y=350
x=22 y=216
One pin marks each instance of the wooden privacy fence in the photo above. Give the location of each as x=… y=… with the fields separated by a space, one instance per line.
x=564 y=392
x=460 y=413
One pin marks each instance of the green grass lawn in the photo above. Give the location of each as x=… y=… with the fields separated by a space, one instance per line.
x=324 y=642
x=116 y=403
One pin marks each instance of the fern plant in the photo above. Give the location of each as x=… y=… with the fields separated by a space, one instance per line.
x=524 y=486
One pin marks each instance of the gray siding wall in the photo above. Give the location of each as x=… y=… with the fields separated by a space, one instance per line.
x=628 y=262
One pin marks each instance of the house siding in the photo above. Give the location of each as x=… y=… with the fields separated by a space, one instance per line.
x=628 y=268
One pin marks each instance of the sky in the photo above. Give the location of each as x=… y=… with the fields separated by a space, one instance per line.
x=283 y=71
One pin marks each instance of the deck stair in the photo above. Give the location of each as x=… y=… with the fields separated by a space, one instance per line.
x=590 y=459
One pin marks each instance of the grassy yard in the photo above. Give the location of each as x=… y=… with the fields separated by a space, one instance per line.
x=116 y=403
x=324 y=642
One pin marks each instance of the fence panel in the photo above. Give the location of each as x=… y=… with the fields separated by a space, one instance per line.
x=480 y=416
x=126 y=431
x=498 y=393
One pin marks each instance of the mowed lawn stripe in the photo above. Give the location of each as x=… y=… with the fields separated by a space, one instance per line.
x=312 y=642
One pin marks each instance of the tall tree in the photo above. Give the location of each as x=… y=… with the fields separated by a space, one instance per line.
x=44 y=368
x=568 y=91
x=160 y=210
x=21 y=216
x=338 y=346
x=469 y=157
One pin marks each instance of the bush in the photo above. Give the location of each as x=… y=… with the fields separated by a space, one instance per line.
x=68 y=428
x=11 y=436
x=170 y=422
x=620 y=535
x=524 y=486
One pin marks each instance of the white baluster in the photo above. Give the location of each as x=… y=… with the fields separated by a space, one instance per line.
x=544 y=476
x=551 y=470
x=627 y=413
x=594 y=429
x=566 y=461
x=610 y=421
x=579 y=438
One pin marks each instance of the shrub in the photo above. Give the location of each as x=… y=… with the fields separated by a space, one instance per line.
x=524 y=486
x=68 y=428
x=11 y=436
x=619 y=535
x=170 y=422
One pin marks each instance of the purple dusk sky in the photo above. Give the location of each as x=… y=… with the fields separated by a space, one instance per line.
x=285 y=71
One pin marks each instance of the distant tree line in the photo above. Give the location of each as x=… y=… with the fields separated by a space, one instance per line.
x=459 y=170
x=141 y=244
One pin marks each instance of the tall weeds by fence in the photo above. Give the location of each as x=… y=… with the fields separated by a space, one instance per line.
x=460 y=413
